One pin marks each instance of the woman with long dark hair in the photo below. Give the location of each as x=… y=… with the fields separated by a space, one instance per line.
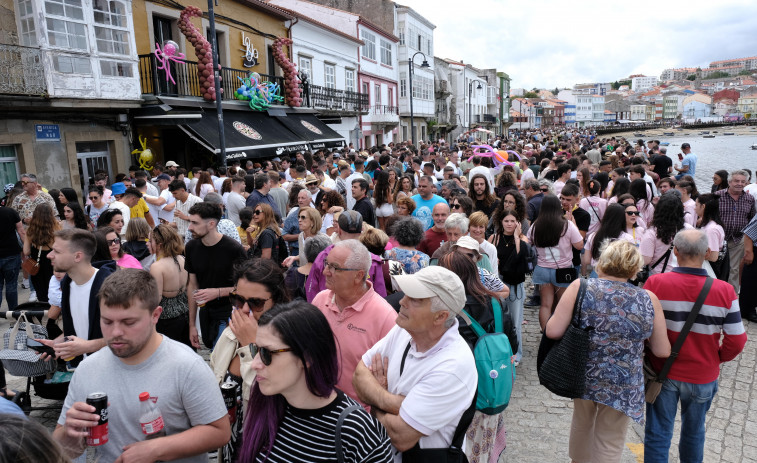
x=719 y=180
x=74 y=217
x=511 y=257
x=513 y=202
x=384 y=198
x=68 y=195
x=708 y=214
x=657 y=243
x=259 y=285
x=554 y=238
x=115 y=251
x=294 y=405
x=404 y=186
x=634 y=222
x=111 y=218
x=639 y=190
x=485 y=431
x=204 y=185
x=38 y=243
x=331 y=203
x=612 y=227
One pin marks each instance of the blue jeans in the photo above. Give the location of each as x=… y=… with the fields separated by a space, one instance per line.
x=9 y=268
x=221 y=326
x=695 y=402
x=514 y=304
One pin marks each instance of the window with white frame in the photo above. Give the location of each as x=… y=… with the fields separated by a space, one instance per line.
x=377 y=94
x=403 y=84
x=368 y=49
x=66 y=27
x=8 y=164
x=423 y=88
x=401 y=32
x=491 y=95
x=112 y=37
x=72 y=65
x=27 y=34
x=349 y=80
x=386 y=52
x=306 y=65
x=329 y=75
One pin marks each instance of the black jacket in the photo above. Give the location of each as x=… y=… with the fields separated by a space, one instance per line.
x=484 y=315
x=105 y=268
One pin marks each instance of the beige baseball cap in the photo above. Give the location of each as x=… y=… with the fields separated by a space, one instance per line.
x=468 y=243
x=434 y=281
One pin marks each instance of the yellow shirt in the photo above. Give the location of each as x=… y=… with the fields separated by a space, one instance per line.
x=140 y=209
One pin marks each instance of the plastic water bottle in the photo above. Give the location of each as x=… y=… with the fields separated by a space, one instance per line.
x=150 y=418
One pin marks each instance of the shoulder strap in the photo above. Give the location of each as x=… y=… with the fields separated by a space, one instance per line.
x=477 y=328
x=339 y=423
x=686 y=328
x=497 y=316
x=579 y=300
x=404 y=356
x=664 y=256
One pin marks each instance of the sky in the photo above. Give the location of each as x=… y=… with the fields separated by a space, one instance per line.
x=557 y=43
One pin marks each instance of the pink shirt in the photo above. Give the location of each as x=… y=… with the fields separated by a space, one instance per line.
x=653 y=246
x=590 y=243
x=647 y=211
x=129 y=261
x=356 y=329
x=560 y=256
x=690 y=212
x=596 y=208
x=715 y=236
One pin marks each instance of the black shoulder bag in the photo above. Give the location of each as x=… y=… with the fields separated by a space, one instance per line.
x=563 y=275
x=643 y=275
x=455 y=453
x=652 y=379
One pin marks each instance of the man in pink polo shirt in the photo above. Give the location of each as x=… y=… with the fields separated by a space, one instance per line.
x=358 y=315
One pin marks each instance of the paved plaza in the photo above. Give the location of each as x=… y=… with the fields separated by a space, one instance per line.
x=538 y=422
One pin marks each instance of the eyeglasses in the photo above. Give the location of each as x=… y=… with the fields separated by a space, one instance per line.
x=113 y=241
x=94 y=198
x=266 y=355
x=257 y=212
x=24 y=183
x=544 y=190
x=630 y=213
x=303 y=217
x=336 y=268
x=456 y=206
x=254 y=303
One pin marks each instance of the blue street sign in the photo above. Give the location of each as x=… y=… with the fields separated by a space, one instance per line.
x=47 y=132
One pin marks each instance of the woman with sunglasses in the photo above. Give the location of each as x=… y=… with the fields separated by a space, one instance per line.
x=264 y=233
x=634 y=223
x=259 y=286
x=612 y=227
x=461 y=204
x=294 y=406
x=309 y=221
x=111 y=239
x=96 y=206
x=168 y=270
x=331 y=204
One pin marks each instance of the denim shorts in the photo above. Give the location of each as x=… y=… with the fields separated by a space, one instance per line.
x=543 y=275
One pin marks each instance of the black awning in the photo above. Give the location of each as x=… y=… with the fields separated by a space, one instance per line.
x=248 y=134
x=164 y=114
x=308 y=127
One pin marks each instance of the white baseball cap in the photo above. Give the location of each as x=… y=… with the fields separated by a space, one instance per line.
x=468 y=243
x=434 y=281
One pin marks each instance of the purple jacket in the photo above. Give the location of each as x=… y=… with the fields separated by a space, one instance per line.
x=316 y=282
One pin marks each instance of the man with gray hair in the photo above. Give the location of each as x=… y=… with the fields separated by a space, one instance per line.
x=358 y=315
x=534 y=196
x=350 y=226
x=716 y=336
x=30 y=198
x=421 y=378
x=737 y=208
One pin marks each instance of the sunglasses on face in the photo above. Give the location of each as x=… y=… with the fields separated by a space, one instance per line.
x=456 y=206
x=254 y=303
x=303 y=217
x=266 y=355
x=94 y=198
x=630 y=213
x=257 y=212
x=544 y=190
x=113 y=241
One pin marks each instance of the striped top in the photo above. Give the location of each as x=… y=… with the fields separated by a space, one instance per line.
x=309 y=436
x=704 y=350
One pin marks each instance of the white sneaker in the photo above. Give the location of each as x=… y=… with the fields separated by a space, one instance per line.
x=25 y=283
x=33 y=296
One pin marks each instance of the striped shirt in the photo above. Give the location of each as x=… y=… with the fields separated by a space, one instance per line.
x=309 y=436
x=700 y=357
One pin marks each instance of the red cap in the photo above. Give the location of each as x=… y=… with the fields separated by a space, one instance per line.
x=144 y=396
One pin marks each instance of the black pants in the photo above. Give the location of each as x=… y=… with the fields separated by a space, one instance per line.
x=176 y=328
x=748 y=294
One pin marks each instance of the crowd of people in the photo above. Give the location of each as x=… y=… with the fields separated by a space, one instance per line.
x=335 y=290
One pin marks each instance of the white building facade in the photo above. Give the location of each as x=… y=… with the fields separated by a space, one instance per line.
x=643 y=82
x=416 y=38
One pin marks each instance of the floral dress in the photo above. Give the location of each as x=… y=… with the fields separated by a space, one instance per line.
x=622 y=316
x=412 y=261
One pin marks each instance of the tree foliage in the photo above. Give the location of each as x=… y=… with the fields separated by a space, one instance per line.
x=692 y=77
x=531 y=95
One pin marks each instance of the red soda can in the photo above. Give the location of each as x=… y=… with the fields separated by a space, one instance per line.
x=98 y=435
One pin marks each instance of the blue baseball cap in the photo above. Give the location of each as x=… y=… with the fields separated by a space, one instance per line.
x=118 y=188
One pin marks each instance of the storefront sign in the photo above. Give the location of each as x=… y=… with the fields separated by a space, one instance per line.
x=250 y=53
x=47 y=132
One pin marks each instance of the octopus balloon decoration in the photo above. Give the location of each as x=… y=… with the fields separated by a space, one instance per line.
x=292 y=90
x=499 y=157
x=260 y=94
x=145 y=155
x=169 y=53
x=203 y=50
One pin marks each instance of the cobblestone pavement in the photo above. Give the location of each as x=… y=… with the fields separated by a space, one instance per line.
x=538 y=422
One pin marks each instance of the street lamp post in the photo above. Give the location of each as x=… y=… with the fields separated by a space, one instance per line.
x=410 y=66
x=470 y=99
x=217 y=77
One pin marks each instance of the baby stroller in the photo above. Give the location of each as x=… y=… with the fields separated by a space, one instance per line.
x=49 y=379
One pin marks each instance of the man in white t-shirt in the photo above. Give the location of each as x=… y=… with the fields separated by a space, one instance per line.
x=184 y=201
x=72 y=253
x=421 y=377
x=235 y=202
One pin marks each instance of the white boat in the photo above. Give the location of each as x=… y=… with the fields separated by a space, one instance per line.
x=754 y=147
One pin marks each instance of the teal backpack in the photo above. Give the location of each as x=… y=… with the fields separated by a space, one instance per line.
x=494 y=363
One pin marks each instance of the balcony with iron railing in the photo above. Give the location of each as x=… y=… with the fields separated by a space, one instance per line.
x=486 y=119
x=384 y=114
x=332 y=100
x=154 y=81
x=22 y=71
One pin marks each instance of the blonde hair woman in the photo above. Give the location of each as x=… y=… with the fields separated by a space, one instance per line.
x=264 y=233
